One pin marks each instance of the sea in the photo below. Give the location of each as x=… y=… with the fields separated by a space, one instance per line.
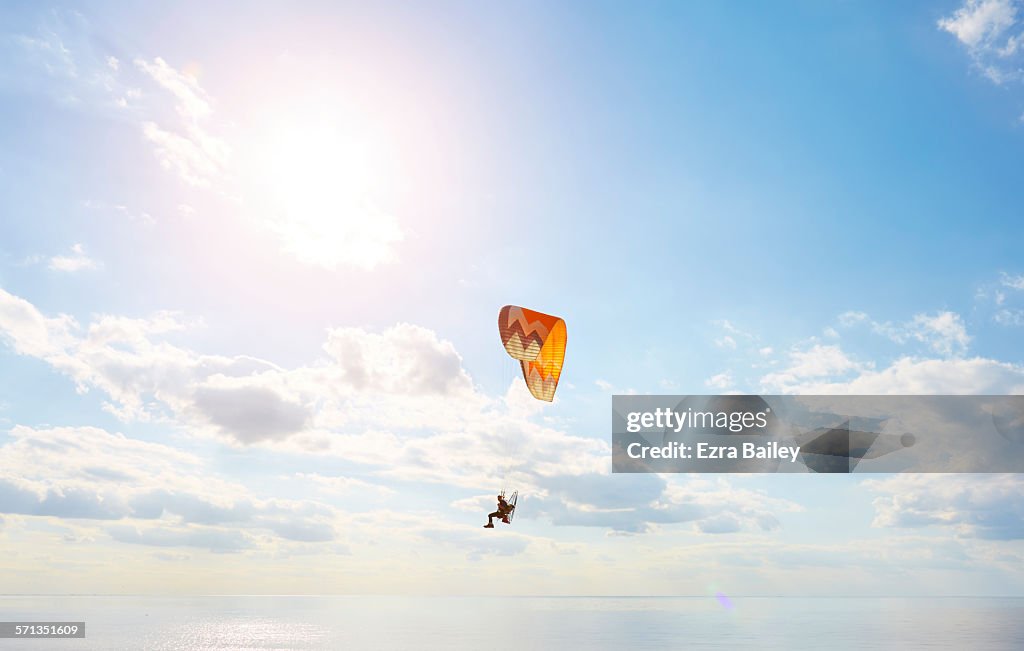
x=486 y=623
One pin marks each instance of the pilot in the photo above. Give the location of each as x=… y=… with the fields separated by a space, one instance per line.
x=504 y=508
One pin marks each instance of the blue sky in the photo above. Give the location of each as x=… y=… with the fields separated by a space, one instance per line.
x=251 y=258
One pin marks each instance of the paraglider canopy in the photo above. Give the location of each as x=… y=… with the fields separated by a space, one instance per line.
x=537 y=340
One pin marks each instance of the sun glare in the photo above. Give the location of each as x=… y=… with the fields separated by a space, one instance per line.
x=326 y=185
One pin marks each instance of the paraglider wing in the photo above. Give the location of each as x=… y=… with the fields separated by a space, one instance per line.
x=537 y=340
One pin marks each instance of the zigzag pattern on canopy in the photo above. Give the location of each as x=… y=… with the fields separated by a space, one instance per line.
x=538 y=341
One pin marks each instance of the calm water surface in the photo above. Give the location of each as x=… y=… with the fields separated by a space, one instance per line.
x=456 y=623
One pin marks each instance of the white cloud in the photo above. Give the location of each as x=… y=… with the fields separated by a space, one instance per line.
x=218 y=539
x=396 y=405
x=943 y=332
x=608 y=387
x=477 y=544
x=63 y=62
x=726 y=342
x=733 y=336
x=123 y=211
x=980 y=22
x=29 y=332
x=977 y=506
x=76 y=260
x=404 y=358
x=818 y=362
x=1013 y=282
x=193 y=104
x=728 y=326
x=250 y=413
x=851 y=318
x=404 y=378
x=1009 y=317
x=828 y=369
x=196 y=158
x=333 y=190
x=49 y=50
x=721 y=381
x=163 y=495
x=990 y=30
x=1004 y=299
x=356 y=235
x=95 y=79
x=908 y=376
x=339 y=485
x=643 y=503
x=1013 y=45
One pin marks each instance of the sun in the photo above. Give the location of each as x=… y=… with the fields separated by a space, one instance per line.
x=326 y=180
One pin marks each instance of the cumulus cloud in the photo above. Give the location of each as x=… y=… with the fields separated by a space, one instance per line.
x=980 y=21
x=991 y=32
x=397 y=405
x=982 y=507
x=944 y=332
x=404 y=358
x=370 y=387
x=643 y=503
x=720 y=381
x=76 y=260
x=905 y=375
x=144 y=377
x=251 y=413
x=217 y=540
x=820 y=361
x=476 y=544
x=340 y=485
x=29 y=332
x=160 y=494
x=974 y=506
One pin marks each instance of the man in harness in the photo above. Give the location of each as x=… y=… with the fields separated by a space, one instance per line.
x=504 y=510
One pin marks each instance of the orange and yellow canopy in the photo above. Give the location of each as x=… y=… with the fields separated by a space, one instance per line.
x=537 y=340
